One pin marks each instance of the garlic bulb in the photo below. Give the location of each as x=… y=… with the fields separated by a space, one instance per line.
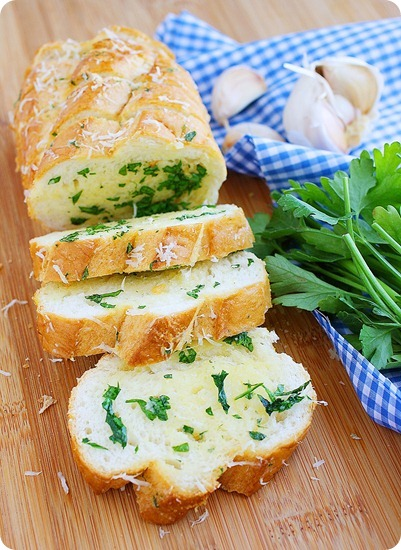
x=235 y=133
x=234 y=90
x=332 y=104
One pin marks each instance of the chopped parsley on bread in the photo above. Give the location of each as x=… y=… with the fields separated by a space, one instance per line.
x=153 y=243
x=218 y=414
x=146 y=316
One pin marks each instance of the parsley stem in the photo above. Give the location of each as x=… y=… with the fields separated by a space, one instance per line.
x=388 y=238
x=383 y=261
x=347 y=206
x=375 y=289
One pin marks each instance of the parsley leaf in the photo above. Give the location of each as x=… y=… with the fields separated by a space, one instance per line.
x=336 y=246
x=156 y=407
x=187 y=355
x=241 y=339
x=195 y=292
x=275 y=403
x=218 y=379
x=119 y=431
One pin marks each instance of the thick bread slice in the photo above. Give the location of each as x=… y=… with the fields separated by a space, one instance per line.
x=111 y=128
x=152 y=314
x=140 y=244
x=207 y=440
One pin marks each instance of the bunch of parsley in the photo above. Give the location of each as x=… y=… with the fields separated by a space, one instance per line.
x=337 y=247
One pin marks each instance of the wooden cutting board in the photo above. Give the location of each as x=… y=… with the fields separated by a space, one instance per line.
x=352 y=499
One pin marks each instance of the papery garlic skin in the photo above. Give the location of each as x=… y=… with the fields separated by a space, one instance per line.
x=236 y=132
x=235 y=89
x=332 y=104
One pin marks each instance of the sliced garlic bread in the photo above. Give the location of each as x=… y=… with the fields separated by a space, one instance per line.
x=146 y=316
x=217 y=414
x=111 y=128
x=141 y=244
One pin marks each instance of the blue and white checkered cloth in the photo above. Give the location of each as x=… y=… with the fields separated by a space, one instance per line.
x=205 y=53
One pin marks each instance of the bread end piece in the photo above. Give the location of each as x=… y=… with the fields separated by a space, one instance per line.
x=238 y=449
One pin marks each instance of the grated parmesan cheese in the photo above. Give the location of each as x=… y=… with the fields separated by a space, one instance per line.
x=63 y=482
x=318 y=463
x=165 y=253
x=5 y=373
x=135 y=257
x=40 y=254
x=31 y=473
x=11 y=304
x=162 y=532
x=60 y=274
x=132 y=479
x=201 y=518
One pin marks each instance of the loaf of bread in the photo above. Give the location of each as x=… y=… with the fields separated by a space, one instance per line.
x=141 y=244
x=219 y=414
x=111 y=128
x=144 y=317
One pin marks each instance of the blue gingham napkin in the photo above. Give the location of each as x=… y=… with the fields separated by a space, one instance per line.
x=205 y=53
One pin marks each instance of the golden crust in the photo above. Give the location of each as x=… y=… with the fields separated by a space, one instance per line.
x=97 y=256
x=97 y=99
x=161 y=505
x=235 y=313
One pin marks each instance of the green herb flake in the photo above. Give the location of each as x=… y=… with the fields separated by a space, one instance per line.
x=209 y=411
x=187 y=355
x=84 y=172
x=129 y=248
x=119 y=431
x=189 y=136
x=183 y=448
x=250 y=261
x=78 y=221
x=257 y=436
x=216 y=283
x=237 y=416
x=188 y=429
x=54 y=180
x=195 y=292
x=75 y=197
x=85 y=274
x=218 y=380
x=241 y=339
x=168 y=375
x=141 y=307
x=93 y=444
x=275 y=403
x=98 y=298
x=94 y=210
x=156 y=407
x=71 y=237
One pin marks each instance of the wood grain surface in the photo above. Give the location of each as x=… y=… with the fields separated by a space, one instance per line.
x=352 y=500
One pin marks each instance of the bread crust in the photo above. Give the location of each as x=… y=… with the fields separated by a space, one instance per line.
x=163 y=505
x=107 y=100
x=144 y=338
x=96 y=256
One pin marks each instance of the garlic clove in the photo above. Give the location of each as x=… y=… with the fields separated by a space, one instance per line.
x=310 y=118
x=344 y=108
x=354 y=79
x=235 y=89
x=332 y=103
x=236 y=132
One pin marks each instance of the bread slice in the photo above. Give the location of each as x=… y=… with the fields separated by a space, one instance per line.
x=146 y=316
x=111 y=128
x=186 y=430
x=140 y=244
